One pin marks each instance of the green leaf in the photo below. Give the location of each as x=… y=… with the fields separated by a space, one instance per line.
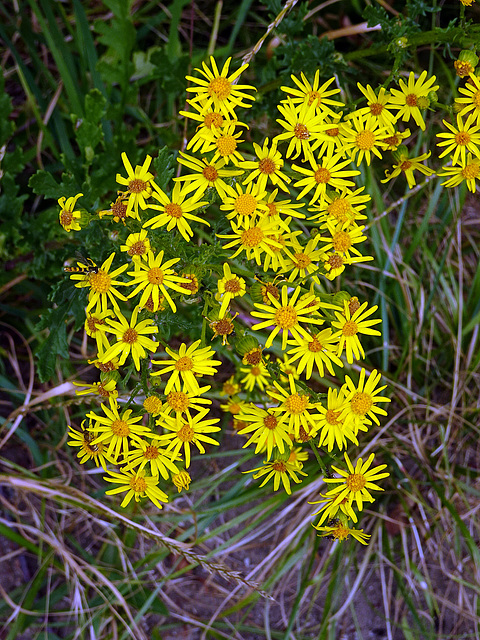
x=164 y=165
x=44 y=184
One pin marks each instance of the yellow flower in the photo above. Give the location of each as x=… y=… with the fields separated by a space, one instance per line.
x=468 y=171
x=88 y=451
x=219 y=89
x=253 y=237
x=328 y=171
x=187 y=364
x=349 y=325
x=138 y=183
x=95 y=327
x=229 y=287
x=181 y=401
x=286 y=315
x=153 y=278
x=295 y=409
x=301 y=261
x=244 y=204
x=137 y=486
x=224 y=142
x=318 y=350
x=281 y=471
x=153 y=405
x=334 y=263
x=472 y=100
x=118 y=210
x=209 y=119
x=206 y=174
x=257 y=376
x=356 y=482
x=341 y=532
x=332 y=423
x=362 y=398
x=267 y=167
x=188 y=431
x=131 y=338
x=268 y=431
x=302 y=127
x=407 y=166
x=222 y=327
x=137 y=245
x=363 y=136
x=412 y=96
x=330 y=509
x=176 y=210
x=102 y=285
x=343 y=238
x=150 y=453
x=331 y=138
x=378 y=107
x=117 y=431
x=465 y=137
x=277 y=208
x=313 y=93
x=105 y=389
x=182 y=480
x=68 y=217
x=341 y=208
x=395 y=139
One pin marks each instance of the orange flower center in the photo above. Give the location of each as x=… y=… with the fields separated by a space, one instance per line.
x=245 y=204
x=476 y=99
x=219 y=87
x=137 y=248
x=376 y=108
x=93 y=322
x=138 y=484
x=392 y=141
x=322 y=175
x=314 y=95
x=350 y=329
x=279 y=466
x=100 y=281
x=184 y=364
x=411 y=100
x=406 y=165
x=223 y=327
x=272 y=208
x=151 y=452
x=137 y=186
x=315 y=346
x=272 y=289
x=253 y=357
x=335 y=261
x=173 y=210
x=130 y=336
x=341 y=241
x=66 y=218
x=339 y=209
x=333 y=133
x=286 y=317
x=155 y=275
x=462 y=138
x=365 y=140
x=226 y=145
x=252 y=237
x=267 y=166
x=233 y=285
x=210 y=173
x=361 y=403
x=213 y=119
x=332 y=416
x=186 y=433
x=301 y=132
x=270 y=422
x=119 y=210
x=471 y=171
x=178 y=400
x=301 y=260
x=120 y=428
x=355 y=482
x=152 y=404
x=296 y=403
x=192 y=285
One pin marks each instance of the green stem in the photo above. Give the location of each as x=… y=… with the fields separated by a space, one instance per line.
x=319 y=460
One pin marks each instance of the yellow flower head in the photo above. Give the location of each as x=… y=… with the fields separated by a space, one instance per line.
x=138 y=184
x=68 y=216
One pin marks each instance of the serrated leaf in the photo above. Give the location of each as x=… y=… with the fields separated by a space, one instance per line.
x=95 y=104
x=164 y=165
x=44 y=184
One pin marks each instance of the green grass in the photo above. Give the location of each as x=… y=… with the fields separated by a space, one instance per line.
x=227 y=559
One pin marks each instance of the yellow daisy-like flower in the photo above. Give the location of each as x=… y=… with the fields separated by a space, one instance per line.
x=88 y=451
x=302 y=261
x=407 y=166
x=176 y=210
x=395 y=139
x=153 y=278
x=192 y=284
x=210 y=121
x=268 y=431
x=281 y=471
x=118 y=210
x=303 y=126
x=332 y=424
x=412 y=97
x=225 y=143
x=357 y=481
x=68 y=217
x=160 y=460
x=187 y=364
x=256 y=376
x=362 y=137
x=137 y=486
x=206 y=174
x=378 y=107
x=153 y=405
x=138 y=184
x=465 y=137
x=362 y=398
x=230 y=387
x=137 y=245
x=341 y=532
x=182 y=480
x=255 y=238
x=96 y=326
x=267 y=167
x=328 y=171
x=341 y=208
x=131 y=338
x=471 y=102
x=298 y=457
x=222 y=327
x=330 y=509
x=117 y=430
x=314 y=93
x=349 y=325
x=244 y=203
x=102 y=285
x=343 y=240
x=468 y=171
x=105 y=388
x=235 y=406
x=229 y=287
x=188 y=431
x=219 y=89
x=286 y=315
x=295 y=409
x=319 y=350
x=182 y=400
x=277 y=208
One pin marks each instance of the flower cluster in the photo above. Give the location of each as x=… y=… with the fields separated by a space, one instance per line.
x=251 y=239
